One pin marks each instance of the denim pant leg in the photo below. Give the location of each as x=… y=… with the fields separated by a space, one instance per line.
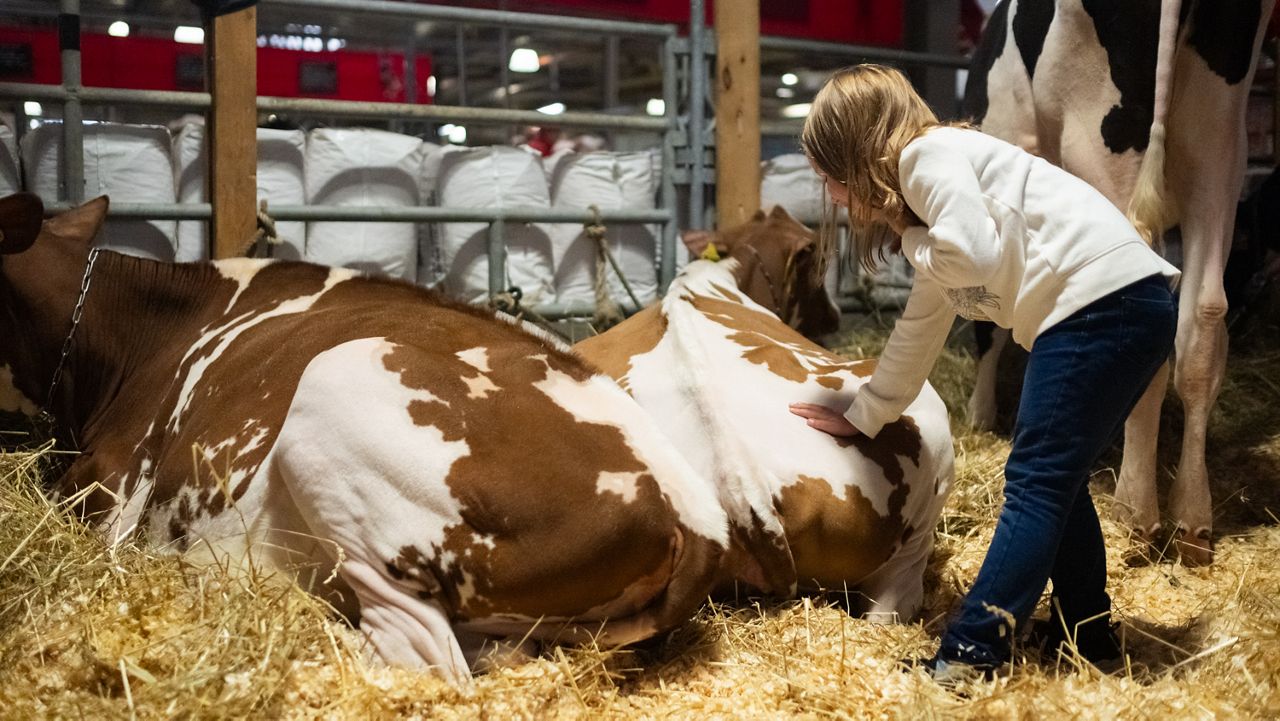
x=1083 y=377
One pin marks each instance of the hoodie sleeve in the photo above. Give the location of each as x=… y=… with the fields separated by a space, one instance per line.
x=914 y=345
x=959 y=245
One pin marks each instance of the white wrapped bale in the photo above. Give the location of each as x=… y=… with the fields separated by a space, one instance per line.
x=129 y=163
x=789 y=181
x=493 y=177
x=280 y=182
x=10 y=180
x=362 y=167
x=610 y=181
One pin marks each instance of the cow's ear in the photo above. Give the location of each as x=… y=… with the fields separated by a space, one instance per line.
x=703 y=244
x=778 y=212
x=20 y=217
x=759 y=215
x=81 y=223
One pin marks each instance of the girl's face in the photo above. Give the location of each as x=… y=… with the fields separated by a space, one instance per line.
x=838 y=192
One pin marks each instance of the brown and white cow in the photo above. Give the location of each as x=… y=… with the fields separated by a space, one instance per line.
x=1078 y=82
x=467 y=478
x=717 y=368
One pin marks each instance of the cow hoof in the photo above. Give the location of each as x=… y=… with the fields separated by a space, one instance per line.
x=1143 y=549
x=1195 y=549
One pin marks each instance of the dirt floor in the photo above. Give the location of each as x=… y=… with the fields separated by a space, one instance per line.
x=88 y=631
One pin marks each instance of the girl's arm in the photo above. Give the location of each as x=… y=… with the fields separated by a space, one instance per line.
x=958 y=245
x=914 y=345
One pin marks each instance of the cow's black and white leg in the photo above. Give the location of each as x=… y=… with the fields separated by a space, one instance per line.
x=992 y=340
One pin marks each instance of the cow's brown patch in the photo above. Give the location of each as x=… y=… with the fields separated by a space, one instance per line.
x=835 y=540
x=612 y=352
x=900 y=439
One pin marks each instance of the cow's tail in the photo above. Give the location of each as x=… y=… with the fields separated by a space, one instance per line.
x=1151 y=208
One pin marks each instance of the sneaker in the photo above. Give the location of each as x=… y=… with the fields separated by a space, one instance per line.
x=950 y=674
x=1095 y=641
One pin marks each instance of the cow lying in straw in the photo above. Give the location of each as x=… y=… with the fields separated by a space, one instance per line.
x=716 y=366
x=464 y=477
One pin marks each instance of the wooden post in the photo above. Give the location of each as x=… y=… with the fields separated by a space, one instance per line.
x=737 y=24
x=231 y=59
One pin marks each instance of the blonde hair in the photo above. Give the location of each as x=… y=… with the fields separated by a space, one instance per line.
x=858 y=125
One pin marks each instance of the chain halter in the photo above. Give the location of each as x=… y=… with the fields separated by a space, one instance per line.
x=69 y=342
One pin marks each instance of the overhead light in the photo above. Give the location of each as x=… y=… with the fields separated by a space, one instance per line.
x=790 y=79
x=453 y=133
x=799 y=110
x=188 y=34
x=552 y=109
x=524 y=60
x=785 y=93
x=335 y=44
x=32 y=109
x=118 y=29
x=656 y=106
x=431 y=85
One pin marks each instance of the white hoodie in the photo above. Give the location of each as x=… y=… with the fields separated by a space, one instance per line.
x=1008 y=237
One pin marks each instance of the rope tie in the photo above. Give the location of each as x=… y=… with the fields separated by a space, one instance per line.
x=509 y=303
x=265 y=237
x=608 y=313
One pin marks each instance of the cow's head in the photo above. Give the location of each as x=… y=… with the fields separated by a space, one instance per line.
x=41 y=270
x=782 y=267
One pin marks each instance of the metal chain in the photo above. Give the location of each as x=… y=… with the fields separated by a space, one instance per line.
x=71 y=334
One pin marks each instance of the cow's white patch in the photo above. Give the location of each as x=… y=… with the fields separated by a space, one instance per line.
x=362 y=472
x=623 y=484
x=241 y=271
x=12 y=399
x=127 y=514
x=479 y=386
x=477 y=358
x=222 y=337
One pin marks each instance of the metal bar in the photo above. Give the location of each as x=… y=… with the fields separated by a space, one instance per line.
x=462 y=66
x=72 y=181
x=497 y=258
x=697 y=112
x=863 y=52
x=504 y=58
x=392 y=214
x=476 y=16
x=340 y=108
x=610 y=83
x=667 y=241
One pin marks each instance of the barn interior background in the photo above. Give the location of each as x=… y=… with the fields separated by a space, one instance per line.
x=471 y=140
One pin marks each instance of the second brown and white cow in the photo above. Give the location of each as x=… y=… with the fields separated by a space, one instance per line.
x=716 y=367
x=462 y=477
x=1088 y=84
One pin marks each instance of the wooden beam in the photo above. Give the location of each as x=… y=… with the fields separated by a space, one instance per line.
x=737 y=24
x=231 y=58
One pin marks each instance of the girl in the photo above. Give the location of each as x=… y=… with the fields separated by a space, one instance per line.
x=995 y=233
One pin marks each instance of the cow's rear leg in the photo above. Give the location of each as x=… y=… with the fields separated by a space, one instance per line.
x=406 y=630
x=1137 y=502
x=1201 y=362
x=992 y=340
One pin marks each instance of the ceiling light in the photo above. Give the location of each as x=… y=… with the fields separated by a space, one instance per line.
x=656 y=106
x=799 y=110
x=524 y=60
x=118 y=29
x=785 y=93
x=188 y=34
x=33 y=109
x=453 y=133
x=431 y=85
x=790 y=79
x=552 y=109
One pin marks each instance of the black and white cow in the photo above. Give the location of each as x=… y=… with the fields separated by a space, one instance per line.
x=1079 y=83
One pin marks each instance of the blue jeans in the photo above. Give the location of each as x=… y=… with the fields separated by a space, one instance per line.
x=1084 y=376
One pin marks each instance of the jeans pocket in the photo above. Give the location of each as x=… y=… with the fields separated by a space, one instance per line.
x=1149 y=325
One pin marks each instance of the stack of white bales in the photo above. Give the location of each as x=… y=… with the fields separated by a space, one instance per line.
x=130 y=163
x=280 y=182
x=10 y=180
x=362 y=167
x=492 y=177
x=610 y=181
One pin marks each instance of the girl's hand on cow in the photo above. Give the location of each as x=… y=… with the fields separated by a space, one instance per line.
x=827 y=420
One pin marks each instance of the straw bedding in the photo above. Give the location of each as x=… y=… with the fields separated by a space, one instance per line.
x=88 y=631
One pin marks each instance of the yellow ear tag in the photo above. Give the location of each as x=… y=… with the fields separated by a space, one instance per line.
x=710 y=253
